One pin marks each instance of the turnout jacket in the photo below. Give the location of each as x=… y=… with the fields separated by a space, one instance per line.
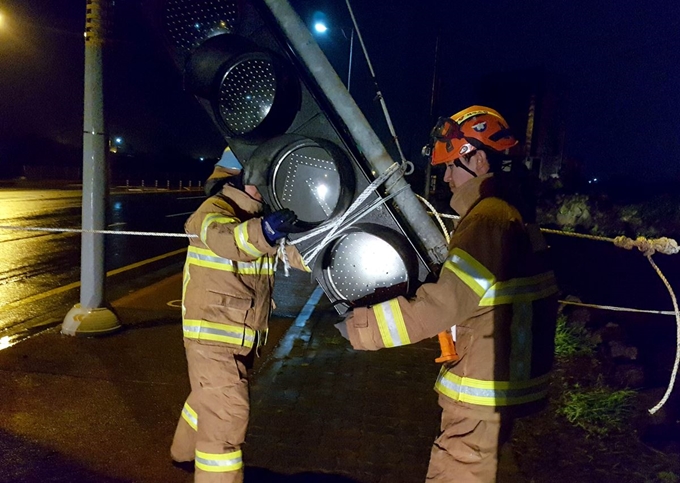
x=229 y=272
x=495 y=293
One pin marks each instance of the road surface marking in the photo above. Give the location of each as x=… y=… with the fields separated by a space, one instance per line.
x=73 y=285
x=296 y=330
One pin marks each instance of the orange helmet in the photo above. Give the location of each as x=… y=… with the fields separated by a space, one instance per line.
x=470 y=129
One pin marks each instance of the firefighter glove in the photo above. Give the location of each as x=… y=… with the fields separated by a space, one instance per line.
x=342 y=328
x=278 y=224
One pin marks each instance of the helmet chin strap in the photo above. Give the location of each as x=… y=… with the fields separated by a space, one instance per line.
x=459 y=164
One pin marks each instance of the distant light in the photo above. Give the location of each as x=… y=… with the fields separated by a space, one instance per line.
x=5 y=342
x=117 y=205
x=595 y=180
x=118 y=140
x=320 y=27
x=201 y=158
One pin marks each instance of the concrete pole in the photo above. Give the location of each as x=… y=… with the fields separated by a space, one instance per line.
x=316 y=62
x=90 y=317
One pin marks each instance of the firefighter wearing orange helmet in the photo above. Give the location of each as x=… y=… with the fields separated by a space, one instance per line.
x=496 y=295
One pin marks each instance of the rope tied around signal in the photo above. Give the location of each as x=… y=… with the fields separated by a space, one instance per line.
x=353 y=214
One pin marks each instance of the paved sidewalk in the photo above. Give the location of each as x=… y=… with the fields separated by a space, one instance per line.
x=104 y=410
x=327 y=409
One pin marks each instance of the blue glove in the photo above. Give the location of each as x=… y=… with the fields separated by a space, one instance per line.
x=278 y=224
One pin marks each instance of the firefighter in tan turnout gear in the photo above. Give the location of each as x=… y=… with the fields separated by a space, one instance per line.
x=495 y=294
x=226 y=303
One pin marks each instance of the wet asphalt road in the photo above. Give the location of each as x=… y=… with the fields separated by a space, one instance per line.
x=40 y=271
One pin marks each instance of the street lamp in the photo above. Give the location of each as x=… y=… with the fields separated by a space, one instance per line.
x=321 y=28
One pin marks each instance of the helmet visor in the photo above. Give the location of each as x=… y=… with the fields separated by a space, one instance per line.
x=446 y=129
x=447 y=142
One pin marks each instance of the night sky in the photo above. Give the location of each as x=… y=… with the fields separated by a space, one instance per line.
x=620 y=61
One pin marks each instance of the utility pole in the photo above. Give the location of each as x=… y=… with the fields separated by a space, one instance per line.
x=434 y=101
x=90 y=316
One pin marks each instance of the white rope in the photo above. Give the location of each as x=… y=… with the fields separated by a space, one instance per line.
x=443 y=215
x=318 y=247
x=333 y=227
x=674 y=373
x=438 y=216
x=102 y=232
x=282 y=255
x=617 y=309
x=353 y=219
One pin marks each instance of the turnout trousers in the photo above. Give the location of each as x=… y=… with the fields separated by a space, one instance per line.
x=468 y=445
x=214 y=419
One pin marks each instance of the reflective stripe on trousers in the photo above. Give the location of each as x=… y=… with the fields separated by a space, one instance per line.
x=219 y=462
x=238 y=335
x=491 y=393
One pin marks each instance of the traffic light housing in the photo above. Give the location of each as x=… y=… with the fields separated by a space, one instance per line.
x=240 y=66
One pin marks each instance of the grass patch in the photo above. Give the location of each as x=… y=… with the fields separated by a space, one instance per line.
x=571 y=340
x=668 y=477
x=599 y=410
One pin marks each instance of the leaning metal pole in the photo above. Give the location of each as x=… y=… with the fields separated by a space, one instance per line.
x=90 y=316
x=316 y=62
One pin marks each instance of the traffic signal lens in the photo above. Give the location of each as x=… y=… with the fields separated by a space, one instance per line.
x=189 y=23
x=362 y=266
x=247 y=94
x=307 y=181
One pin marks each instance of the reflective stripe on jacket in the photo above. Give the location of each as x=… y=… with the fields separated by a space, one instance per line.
x=498 y=293
x=229 y=272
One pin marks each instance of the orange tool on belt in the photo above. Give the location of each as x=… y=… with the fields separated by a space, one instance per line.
x=447 y=346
